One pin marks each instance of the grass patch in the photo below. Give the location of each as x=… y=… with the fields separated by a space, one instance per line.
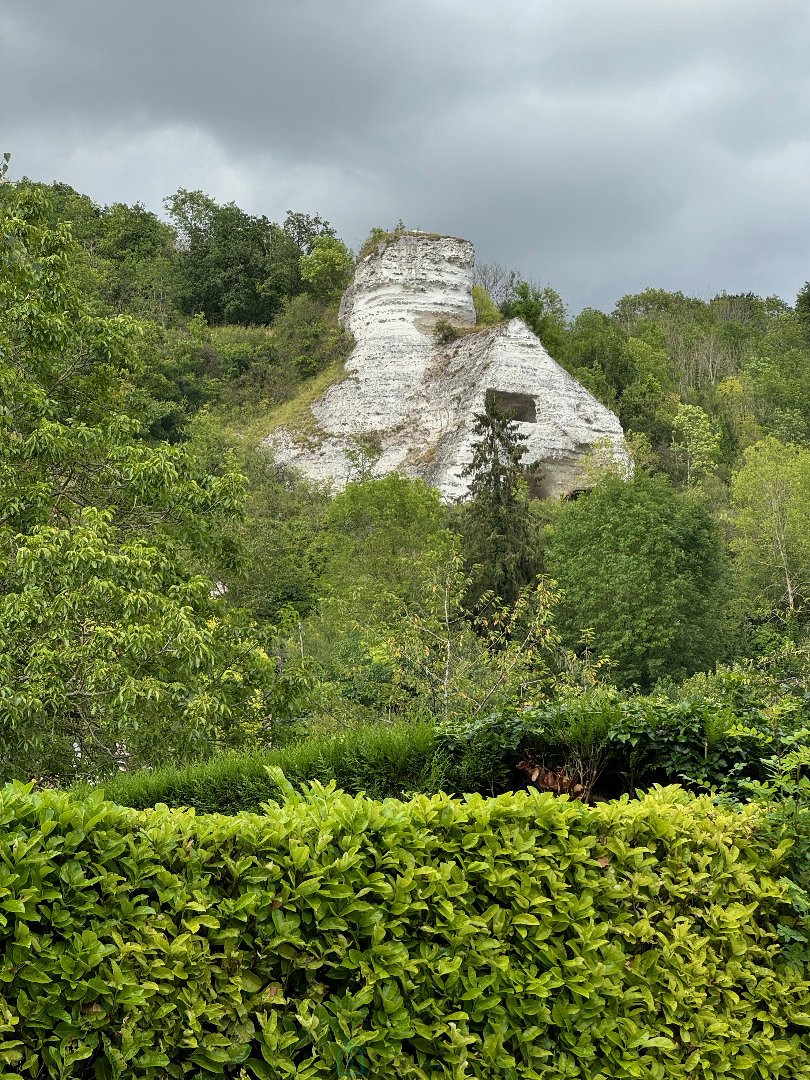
x=296 y=415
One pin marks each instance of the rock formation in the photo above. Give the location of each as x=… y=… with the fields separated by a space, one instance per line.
x=416 y=400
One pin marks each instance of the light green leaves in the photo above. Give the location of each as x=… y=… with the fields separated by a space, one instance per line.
x=112 y=649
x=339 y=933
x=771 y=520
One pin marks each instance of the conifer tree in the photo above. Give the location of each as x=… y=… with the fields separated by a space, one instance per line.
x=496 y=523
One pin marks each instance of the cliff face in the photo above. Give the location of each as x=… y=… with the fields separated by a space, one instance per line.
x=418 y=400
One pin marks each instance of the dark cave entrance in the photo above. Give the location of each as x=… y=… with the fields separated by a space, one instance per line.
x=518 y=407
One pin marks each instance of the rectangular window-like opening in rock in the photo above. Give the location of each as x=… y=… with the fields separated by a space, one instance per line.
x=520 y=407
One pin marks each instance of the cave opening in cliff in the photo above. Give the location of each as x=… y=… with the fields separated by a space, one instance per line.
x=519 y=407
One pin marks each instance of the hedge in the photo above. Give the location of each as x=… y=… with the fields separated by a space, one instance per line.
x=612 y=744
x=381 y=760
x=520 y=937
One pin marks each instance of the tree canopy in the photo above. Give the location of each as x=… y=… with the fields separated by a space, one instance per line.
x=643 y=578
x=112 y=645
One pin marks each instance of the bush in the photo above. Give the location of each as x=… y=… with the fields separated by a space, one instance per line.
x=487 y=312
x=600 y=741
x=569 y=738
x=511 y=938
x=381 y=761
x=444 y=332
x=596 y=743
x=308 y=336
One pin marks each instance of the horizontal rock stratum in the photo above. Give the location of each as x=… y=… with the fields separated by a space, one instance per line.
x=417 y=400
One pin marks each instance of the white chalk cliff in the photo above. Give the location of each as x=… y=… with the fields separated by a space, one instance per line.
x=419 y=399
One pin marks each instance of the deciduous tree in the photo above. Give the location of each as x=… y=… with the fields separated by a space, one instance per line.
x=112 y=647
x=326 y=270
x=644 y=569
x=771 y=520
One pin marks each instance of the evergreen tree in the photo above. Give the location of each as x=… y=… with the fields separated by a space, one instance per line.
x=495 y=523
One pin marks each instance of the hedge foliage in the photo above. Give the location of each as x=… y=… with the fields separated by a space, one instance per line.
x=521 y=937
x=616 y=744
x=607 y=742
x=382 y=761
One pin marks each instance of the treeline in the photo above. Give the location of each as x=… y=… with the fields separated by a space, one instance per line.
x=208 y=258
x=168 y=593
x=694 y=382
x=204 y=285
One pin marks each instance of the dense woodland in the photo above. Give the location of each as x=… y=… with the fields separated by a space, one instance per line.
x=170 y=596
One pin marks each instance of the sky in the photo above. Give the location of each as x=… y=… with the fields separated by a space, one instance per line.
x=600 y=146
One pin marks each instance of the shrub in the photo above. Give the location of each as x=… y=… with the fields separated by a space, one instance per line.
x=444 y=332
x=511 y=938
x=696 y=742
x=308 y=336
x=570 y=737
x=600 y=741
x=373 y=242
x=487 y=312
x=592 y=743
x=381 y=761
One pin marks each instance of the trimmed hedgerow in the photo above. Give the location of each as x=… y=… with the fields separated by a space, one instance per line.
x=382 y=761
x=595 y=743
x=521 y=937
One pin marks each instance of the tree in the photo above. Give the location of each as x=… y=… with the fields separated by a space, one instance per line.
x=110 y=658
x=233 y=267
x=113 y=649
x=643 y=569
x=771 y=520
x=385 y=535
x=384 y=542
x=272 y=553
x=647 y=408
x=393 y=634
x=803 y=311
x=305 y=229
x=496 y=281
x=695 y=442
x=495 y=522
x=542 y=310
x=327 y=269
x=140 y=261
x=594 y=350
x=776 y=374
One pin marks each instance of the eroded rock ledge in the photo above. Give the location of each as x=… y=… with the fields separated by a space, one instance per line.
x=418 y=400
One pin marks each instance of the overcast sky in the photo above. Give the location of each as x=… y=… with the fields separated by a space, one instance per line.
x=598 y=145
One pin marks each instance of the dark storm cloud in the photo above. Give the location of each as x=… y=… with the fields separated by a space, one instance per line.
x=601 y=147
